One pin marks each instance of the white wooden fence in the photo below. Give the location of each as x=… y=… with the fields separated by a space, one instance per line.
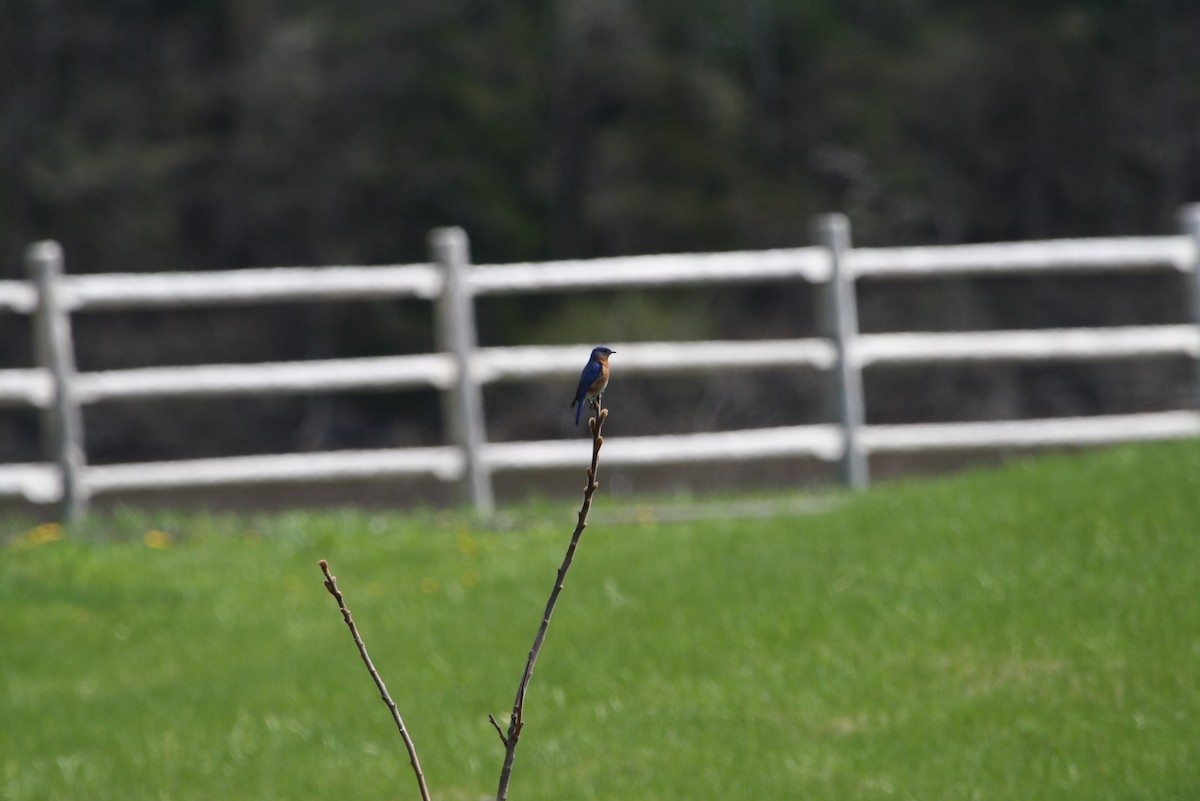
x=460 y=369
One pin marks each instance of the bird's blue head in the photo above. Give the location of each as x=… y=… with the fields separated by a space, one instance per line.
x=601 y=353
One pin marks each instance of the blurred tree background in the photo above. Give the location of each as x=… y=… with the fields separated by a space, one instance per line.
x=150 y=135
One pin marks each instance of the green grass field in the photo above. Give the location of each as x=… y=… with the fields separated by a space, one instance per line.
x=1025 y=633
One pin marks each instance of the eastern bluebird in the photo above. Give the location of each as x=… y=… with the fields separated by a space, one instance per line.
x=593 y=380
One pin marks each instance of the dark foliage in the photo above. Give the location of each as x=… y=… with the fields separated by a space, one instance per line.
x=148 y=135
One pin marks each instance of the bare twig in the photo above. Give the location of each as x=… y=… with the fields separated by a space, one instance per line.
x=500 y=731
x=331 y=585
x=517 y=720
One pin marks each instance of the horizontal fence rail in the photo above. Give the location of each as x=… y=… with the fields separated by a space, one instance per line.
x=1059 y=256
x=34 y=387
x=460 y=368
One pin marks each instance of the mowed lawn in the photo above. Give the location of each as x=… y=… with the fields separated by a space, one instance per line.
x=1031 y=632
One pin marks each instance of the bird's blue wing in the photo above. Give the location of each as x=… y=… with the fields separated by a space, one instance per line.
x=590 y=373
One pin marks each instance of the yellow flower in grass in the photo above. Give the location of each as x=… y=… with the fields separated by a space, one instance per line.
x=38 y=535
x=159 y=540
x=47 y=532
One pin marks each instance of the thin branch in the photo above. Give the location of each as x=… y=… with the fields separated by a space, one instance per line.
x=517 y=720
x=500 y=731
x=331 y=585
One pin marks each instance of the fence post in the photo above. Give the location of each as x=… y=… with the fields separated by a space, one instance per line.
x=1189 y=221
x=841 y=325
x=462 y=406
x=54 y=351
